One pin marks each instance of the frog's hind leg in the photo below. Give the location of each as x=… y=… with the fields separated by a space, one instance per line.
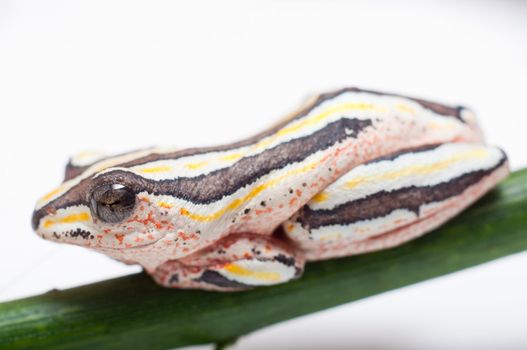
x=237 y=262
x=396 y=198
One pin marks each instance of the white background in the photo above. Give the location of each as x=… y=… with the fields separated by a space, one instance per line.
x=120 y=75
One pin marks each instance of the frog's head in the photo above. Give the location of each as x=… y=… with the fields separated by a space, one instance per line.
x=102 y=203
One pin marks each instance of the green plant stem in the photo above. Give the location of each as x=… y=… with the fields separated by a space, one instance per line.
x=133 y=312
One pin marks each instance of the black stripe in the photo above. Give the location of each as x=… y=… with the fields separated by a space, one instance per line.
x=73 y=171
x=413 y=150
x=438 y=108
x=246 y=142
x=382 y=203
x=211 y=187
x=77 y=194
x=217 y=279
x=286 y=260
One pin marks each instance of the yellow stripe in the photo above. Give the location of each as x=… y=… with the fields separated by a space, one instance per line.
x=156 y=169
x=284 y=131
x=317 y=118
x=195 y=166
x=303 y=123
x=253 y=193
x=163 y=204
x=49 y=195
x=260 y=275
x=417 y=169
x=320 y=197
x=324 y=115
x=233 y=156
x=73 y=218
x=405 y=108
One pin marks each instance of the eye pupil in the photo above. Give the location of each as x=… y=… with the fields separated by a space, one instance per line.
x=112 y=203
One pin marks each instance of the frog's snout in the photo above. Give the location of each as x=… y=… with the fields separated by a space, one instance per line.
x=40 y=214
x=67 y=225
x=35 y=219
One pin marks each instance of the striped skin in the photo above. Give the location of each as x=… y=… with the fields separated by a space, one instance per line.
x=371 y=206
x=190 y=202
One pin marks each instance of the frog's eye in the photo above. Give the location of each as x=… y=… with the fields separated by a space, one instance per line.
x=112 y=203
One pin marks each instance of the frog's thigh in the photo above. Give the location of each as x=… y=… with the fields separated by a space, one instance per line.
x=396 y=198
x=237 y=262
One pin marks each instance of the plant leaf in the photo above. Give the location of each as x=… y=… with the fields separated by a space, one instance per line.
x=133 y=312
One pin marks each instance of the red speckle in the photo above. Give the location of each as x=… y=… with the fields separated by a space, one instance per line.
x=149 y=220
x=247 y=256
x=298 y=193
x=128 y=245
x=107 y=230
x=186 y=237
x=293 y=201
x=263 y=211
x=119 y=237
x=193 y=269
x=144 y=199
x=150 y=237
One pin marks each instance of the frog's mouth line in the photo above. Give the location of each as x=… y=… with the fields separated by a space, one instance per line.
x=82 y=238
x=137 y=247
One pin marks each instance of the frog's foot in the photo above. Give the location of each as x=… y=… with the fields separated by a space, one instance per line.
x=394 y=199
x=237 y=262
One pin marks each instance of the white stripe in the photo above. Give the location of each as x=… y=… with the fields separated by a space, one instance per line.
x=372 y=174
x=386 y=108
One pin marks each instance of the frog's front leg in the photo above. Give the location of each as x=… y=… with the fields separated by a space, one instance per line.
x=395 y=198
x=236 y=262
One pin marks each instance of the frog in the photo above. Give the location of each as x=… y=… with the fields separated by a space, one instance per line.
x=351 y=171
